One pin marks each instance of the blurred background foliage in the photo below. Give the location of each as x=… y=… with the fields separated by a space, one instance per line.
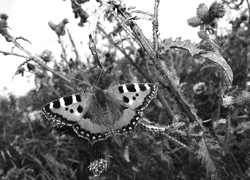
x=30 y=151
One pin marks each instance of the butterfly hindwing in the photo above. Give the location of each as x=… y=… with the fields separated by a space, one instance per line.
x=128 y=121
x=123 y=117
x=99 y=123
x=135 y=95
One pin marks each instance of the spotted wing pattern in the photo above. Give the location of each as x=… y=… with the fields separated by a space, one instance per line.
x=135 y=96
x=96 y=116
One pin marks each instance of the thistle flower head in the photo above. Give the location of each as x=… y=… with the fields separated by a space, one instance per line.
x=98 y=166
x=203 y=13
x=207 y=16
x=4 y=16
x=216 y=10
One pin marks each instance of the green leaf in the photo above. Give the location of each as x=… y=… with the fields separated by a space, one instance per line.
x=222 y=63
x=210 y=157
x=193 y=49
x=186 y=45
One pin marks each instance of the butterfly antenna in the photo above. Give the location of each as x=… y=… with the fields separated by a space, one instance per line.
x=99 y=77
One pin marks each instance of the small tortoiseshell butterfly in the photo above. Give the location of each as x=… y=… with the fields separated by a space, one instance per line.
x=102 y=113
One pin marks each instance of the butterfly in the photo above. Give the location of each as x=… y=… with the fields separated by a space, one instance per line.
x=100 y=114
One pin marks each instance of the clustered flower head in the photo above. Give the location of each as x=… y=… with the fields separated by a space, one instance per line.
x=98 y=166
x=207 y=16
x=59 y=29
x=3 y=20
x=3 y=27
x=216 y=10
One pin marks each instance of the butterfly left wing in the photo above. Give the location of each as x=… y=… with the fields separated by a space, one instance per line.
x=135 y=95
x=67 y=111
x=92 y=116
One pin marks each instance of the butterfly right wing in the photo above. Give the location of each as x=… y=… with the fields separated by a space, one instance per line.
x=135 y=95
x=126 y=103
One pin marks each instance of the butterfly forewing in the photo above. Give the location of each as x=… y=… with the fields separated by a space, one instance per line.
x=68 y=109
x=135 y=95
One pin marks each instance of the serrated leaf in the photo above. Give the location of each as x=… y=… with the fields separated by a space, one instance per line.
x=210 y=158
x=219 y=60
x=178 y=43
x=193 y=49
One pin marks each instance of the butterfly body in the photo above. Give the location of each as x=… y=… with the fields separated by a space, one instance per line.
x=96 y=116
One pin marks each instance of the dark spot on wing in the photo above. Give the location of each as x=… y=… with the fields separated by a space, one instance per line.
x=56 y=104
x=125 y=99
x=68 y=100
x=46 y=107
x=71 y=111
x=131 y=87
x=78 y=98
x=134 y=98
x=66 y=109
x=142 y=87
x=137 y=94
x=120 y=89
x=79 y=109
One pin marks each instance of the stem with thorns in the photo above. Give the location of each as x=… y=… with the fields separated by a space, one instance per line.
x=123 y=52
x=147 y=46
x=38 y=60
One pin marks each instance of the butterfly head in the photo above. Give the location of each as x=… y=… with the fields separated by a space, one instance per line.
x=100 y=97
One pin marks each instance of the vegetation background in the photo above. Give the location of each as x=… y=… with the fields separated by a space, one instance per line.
x=200 y=117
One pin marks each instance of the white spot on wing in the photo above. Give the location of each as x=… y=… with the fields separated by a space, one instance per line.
x=51 y=105
x=124 y=88
x=62 y=102
x=76 y=112
x=130 y=102
x=137 y=87
x=147 y=86
x=74 y=99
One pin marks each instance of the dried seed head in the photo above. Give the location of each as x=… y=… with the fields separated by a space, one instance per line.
x=194 y=21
